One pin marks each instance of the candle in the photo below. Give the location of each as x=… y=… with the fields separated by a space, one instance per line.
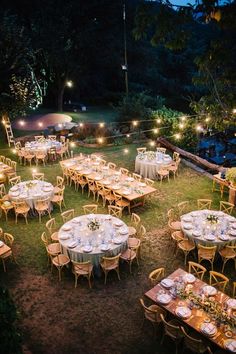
x=71 y=153
x=221 y=298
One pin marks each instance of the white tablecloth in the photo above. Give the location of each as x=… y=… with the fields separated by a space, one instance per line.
x=35 y=146
x=196 y=227
x=30 y=191
x=148 y=167
x=111 y=235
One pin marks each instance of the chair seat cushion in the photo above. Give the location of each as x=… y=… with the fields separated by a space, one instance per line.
x=60 y=260
x=133 y=242
x=128 y=255
x=54 y=236
x=54 y=248
x=176 y=225
x=227 y=253
x=83 y=270
x=132 y=230
x=186 y=245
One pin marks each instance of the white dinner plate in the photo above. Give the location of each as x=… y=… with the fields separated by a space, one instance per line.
x=118 y=240
x=1 y=244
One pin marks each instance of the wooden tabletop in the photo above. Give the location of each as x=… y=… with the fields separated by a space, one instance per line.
x=144 y=191
x=198 y=314
x=4 y=249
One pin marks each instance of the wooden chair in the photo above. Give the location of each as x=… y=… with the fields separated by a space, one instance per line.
x=84 y=269
x=174 y=225
x=2 y=158
x=73 y=178
x=175 y=156
x=172 y=330
x=130 y=255
x=39 y=138
x=183 y=207
x=196 y=269
x=52 y=137
x=156 y=275
x=227 y=253
x=52 y=154
x=141 y=150
x=28 y=157
x=8 y=161
x=52 y=229
x=82 y=182
x=59 y=184
x=8 y=240
x=137 y=177
x=110 y=263
x=177 y=236
x=226 y=207
x=115 y=211
x=135 y=223
x=149 y=182
x=102 y=162
x=234 y=289
x=124 y=171
x=42 y=206
x=13 y=165
x=111 y=166
x=90 y=209
x=15 y=180
x=40 y=156
x=38 y=176
x=152 y=314
x=6 y=205
x=21 y=208
x=68 y=215
x=186 y=246
x=194 y=343
x=161 y=149
x=206 y=253
x=66 y=174
x=101 y=193
x=204 y=204
x=2 y=190
x=162 y=173
x=60 y=261
x=53 y=249
x=218 y=280
x=122 y=202
x=92 y=188
x=108 y=196
x=173 y=168
x=58 y=198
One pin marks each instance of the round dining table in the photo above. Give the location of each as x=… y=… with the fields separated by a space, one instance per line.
x=39 y=146
x=30 y=191
x=149 y=163
x=209 y=227
x=90 y=237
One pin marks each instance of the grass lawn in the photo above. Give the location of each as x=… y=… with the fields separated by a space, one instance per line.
x=55 y=317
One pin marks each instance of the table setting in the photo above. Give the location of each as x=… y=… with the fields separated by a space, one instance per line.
x=148 y=163
x=209 y=227
x=45 y=145
x=92 y=236
x=30 y=191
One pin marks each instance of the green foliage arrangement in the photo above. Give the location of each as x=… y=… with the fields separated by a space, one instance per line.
x=10 y=337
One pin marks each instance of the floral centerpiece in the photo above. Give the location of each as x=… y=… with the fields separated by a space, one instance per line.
x=212 y=219
x=231 y=176
x=30 y=184
x=93 y=225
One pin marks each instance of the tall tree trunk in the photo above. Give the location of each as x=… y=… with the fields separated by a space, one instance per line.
x=60 y=95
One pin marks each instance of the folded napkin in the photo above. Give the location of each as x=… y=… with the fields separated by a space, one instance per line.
x=231 y=303
x=183 y=311
x=163 y=298
x=208 y=328
x=167 y=283
x=230 y=344
x=209 y=290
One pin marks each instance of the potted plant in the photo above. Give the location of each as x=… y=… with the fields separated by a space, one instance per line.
x=231 y=176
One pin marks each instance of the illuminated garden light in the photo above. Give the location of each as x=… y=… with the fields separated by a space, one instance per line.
x=135 y=123
x=234 y=111
x=208 y=118
x=69 y=83
x=14 y=151
x=128 y=136
x=177 y=136
x=72 y=144
x=101 y=125
x=40 y=124
x=126 y=151
x=81 y=125
x=198 y=128
x=152 y=143
x=181 y=125
x=34 y=170
x=183 y=118
x=159 y=121
x=22 y=122
x=156 y=131
x=100 y=140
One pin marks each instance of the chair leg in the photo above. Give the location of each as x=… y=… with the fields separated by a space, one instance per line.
x=4 y=266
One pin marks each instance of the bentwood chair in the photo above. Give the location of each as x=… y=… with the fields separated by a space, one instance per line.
x=115 y=211
x=141 y=150
x=194 y=343
x=52 y=249
x=84 y=269
x=60 y=261
x=52 y=229
x=8 y=240
x=152 y=314
x=137 y=177
x=38 y=176
x=227 y=253
x=43 y=206
x=186 y=246
x=161 y=149
x=234 y=289
x=110 y=263
x=121 y=202
x=175 y=156
x=124 y=171
x=68 y=215
x=173 y=223
x=40 y=156
x=156 y=275
x=206 y=253
x=130 y=255
x=177 y=236
x=226 y=207
x=21 y=208
x=173 y=331
x=183 y=207
x=204 y=204
x=111 y=165
x=15 y=180
x=218 y=280
x=58 y=198
x=135 y=223
x=149 y=182
x=196 y=269
x=59 y=184
x=90 y=209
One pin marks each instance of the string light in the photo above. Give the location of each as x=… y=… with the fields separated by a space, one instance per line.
x=14 y=151
x=81 y=125
x=177 y=136
x=1 y=176
x=126 y=151
x=208 y=118
x=156 y=131
x=159 y=121
x=181 y=125
x=40 y=124
x=199 y=128
x=183 y=118
x=69 y=83
x=152 y=143
x=72 y=144
x=100 y=140
x=101 y=125
x=135 y=123
x=127 y=135
x=234 y=110
x=34 y=170
x=22 y=122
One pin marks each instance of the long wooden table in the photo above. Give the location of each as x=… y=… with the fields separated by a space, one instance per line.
x=138 y=194
x=198 y=315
